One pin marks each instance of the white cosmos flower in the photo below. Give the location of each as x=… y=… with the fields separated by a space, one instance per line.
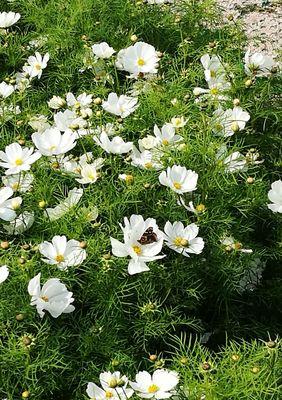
x=62 y=253
x=56 y=102
x=182 y=239
x=51 y=142
x=95 y=392
x=275 y=196
x=102 y=50
x=136 y=246
x=8 y=112
x=120 y=105
x=19 y=182
x=109 y=128
x=83 y=101
x=20 y=224
x=160 y=385
x=53 y=297
x=88 y=174
x=216 y=91
x=145 y=159
x=16 y=159
x=141 y=58
x=178 y=122
x=166 y=136
x=213 y=67
x=114 y=380
x=36 y=64
x=8 y=205
x=8 y=19
x=159 y=1
x=235 y=162
x=114 y=146
x=6 y=90
x=65 y=206
x=4 y=273
x=39 y=123
x=258 y=64
x=230 y=121
x=230 y=243
x=68 y=120
x=179 y=179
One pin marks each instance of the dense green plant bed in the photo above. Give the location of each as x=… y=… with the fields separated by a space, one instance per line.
x=140 y=203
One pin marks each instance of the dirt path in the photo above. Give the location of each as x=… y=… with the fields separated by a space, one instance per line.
x=262 y=21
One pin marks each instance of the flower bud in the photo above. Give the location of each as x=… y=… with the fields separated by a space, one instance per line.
x=4 y=245
x=133 y=38
x=236 y=102
x=153 y=357
x=248 y=83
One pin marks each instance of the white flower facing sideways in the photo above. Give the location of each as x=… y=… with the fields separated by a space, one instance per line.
x=166 y=135
x=53 y=297
x=102 y=50
x=19 y=182
x=258 y=64
x=65 y=206
x=141 y=58
x=114 y=386
x=16 y=158
x=178 y=122
x=143 y=241
x=159 y=385
x=213 y=66
x=36 y=64
x=4 y=273
x=20 y=224
x=8 y=19
x=275 y=196
x=121 y=106
x=6 y=90
x=182 y=239
x=62 y=253
x=145 y=159
x=8 y=206
x=56 y=102
x=179 y=179
x=52 y=142
x=115 y=146
x=230 y=121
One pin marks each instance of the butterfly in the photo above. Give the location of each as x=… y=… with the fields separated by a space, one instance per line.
x=149 y=236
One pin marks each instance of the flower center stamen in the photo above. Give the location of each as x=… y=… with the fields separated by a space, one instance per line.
x=44 y=298
x=19 y=161
x=180 y=242
x=137 y=250
x=177 y=185
x=59 y=258
x=140 y=62
x=153 y=388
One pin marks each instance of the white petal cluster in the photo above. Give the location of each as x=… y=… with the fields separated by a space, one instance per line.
x=135 y=245
x=53 y=297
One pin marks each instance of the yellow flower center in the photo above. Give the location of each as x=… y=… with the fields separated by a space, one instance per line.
x=19 y=161
x=108 y=394
x=51 y=148
x=137 y=249
x=44 y=298
x=200 y=207
x=148 y=165
x=177 y=121
x=153 y=388
x=37 y=67
x=165 y=142
x=140 y=62
x=129 y=179
x=180 y=242
x=214 y=91
x=15 y=186
x=213 y=74
x=177 y=185
x=234 y=126
x=59 y=258
x=91 y=176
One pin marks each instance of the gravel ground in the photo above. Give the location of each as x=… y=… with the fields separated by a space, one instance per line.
x=261 y=19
